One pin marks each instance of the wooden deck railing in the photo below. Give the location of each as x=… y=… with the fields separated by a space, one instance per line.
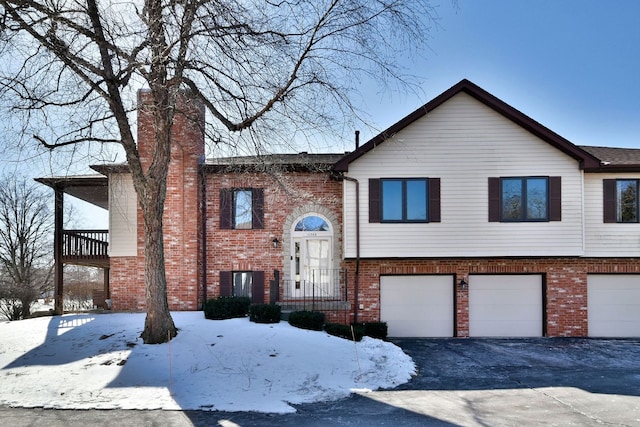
x=85 y=244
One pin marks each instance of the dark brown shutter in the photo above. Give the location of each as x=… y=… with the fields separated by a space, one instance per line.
x=257 y=287
x=555 y=198
x=374 y=200
x=226 y=209
x=226 y=283
x=494 y=199
x=434 y=199
x=257 y=198
x=609 y=200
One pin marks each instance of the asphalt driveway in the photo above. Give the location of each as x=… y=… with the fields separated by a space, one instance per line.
x=470 y=382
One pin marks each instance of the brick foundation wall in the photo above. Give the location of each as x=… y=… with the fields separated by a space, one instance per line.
x=565 y=284
x=126 y=281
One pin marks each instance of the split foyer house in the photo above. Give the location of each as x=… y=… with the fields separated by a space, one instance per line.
x=465 y=218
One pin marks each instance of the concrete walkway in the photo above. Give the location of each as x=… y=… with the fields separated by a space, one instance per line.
x=469 y=382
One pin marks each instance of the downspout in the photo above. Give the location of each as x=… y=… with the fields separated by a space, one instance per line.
x=356 y=283
x=203 y=226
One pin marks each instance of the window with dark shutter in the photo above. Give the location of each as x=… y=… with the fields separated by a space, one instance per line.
x=257 y=289
x=404 y=200
x=555 y=198
x=525 y=199
x=621 y=200
x=609 y=202
x=226 y=283
x=434 y=199
x=226 y=209
x=258 y=208
x=241 y=209
x=494 y=199
x=374 y=200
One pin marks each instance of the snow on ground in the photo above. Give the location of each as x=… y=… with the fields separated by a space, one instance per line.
x=84 y=361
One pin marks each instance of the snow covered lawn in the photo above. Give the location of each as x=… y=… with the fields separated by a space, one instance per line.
x=83 y=361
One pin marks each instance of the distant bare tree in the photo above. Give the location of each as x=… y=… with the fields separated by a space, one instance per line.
x=265 y=70
x=26 y=264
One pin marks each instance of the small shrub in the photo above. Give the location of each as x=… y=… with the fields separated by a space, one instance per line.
x=226 y=308
x=375 y=329
x=344 y=331
x=313 y=320
x=265 y=313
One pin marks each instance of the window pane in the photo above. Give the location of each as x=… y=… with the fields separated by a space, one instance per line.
x=416 y=200
x=242 y=284
x=512 y=199
x=627 y=200
x=312 y=223
x=242 y=209
x=392 y=200
x=537 y=198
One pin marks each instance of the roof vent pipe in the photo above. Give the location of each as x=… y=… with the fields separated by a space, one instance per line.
x=357 y=139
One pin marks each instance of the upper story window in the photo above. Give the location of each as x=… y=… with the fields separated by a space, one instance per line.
x=404 y=200
x=408 y=200
x=525 y=199
x=241 y=208
x=621 y=200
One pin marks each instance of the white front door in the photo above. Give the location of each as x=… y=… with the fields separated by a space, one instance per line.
x=312 y=272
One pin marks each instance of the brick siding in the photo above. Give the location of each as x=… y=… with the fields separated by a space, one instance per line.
x=565 y=284
x=253 y=250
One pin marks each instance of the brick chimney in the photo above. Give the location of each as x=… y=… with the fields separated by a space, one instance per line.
x=182 y=216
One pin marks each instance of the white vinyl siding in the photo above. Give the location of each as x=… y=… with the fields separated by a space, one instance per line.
x=505 y=306
x=614 y=305
x=417 y=306
x=463 y=142
x=123 y=204
x=607 y=239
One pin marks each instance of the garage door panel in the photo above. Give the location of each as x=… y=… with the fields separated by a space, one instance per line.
x=502 y=329
x=505 y=305
x=417 y=306
x=613 y=303
x=518 y=296
x=616 y=297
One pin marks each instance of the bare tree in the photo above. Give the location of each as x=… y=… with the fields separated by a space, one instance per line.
x=25 y=258
x=266 y=70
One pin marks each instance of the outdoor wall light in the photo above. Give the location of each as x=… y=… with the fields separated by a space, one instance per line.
x=463 y=284
x=275 y=242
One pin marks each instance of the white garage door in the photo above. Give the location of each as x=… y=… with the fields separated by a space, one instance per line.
x=613 y=302
x=417 y=306
x=505 y=306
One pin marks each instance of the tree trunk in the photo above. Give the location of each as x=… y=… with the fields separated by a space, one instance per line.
x=158 y=325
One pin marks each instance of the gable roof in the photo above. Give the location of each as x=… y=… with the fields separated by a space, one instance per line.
x=586 y=159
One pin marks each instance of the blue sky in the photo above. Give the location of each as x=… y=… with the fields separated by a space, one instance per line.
x=572 y=65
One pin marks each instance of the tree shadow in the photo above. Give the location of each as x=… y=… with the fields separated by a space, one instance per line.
x=70 y=338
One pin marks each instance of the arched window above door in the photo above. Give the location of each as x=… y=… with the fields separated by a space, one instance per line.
x=312 y=223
